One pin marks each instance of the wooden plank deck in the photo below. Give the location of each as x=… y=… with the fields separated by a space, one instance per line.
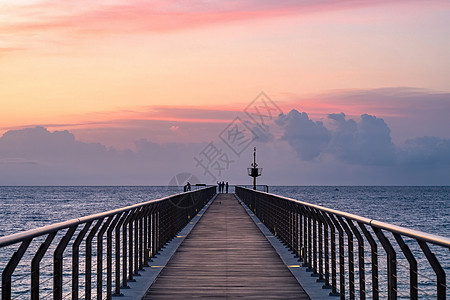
x=226 y=256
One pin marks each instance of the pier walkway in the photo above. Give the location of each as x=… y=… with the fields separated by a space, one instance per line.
x=226 y=256
x=214 y=246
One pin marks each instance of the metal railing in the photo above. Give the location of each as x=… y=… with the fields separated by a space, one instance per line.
x=310 y=231
x=130 y=236
x=259 y=187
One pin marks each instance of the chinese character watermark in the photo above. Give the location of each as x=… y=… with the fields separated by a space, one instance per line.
x=237 y=136
x=213 y=159
x=261 y=110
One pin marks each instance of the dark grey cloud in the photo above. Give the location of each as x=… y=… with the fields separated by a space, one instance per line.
x=36 y=156
x=432 y=151
x=364 y=142
x=262 y=132
x=307 y=137
x=41 y=145
x=367 y=142
x=410 y=112
x=352 y=151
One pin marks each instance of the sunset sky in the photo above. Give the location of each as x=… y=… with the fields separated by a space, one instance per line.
x=152 y=83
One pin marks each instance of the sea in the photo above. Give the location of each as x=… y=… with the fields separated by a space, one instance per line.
x=423 y=208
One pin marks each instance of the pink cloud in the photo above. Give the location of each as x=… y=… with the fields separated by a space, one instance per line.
x=8 y=50
x=160 y=120
x=160 y=16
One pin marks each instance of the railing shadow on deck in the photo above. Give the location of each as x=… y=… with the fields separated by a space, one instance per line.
x=310 y=231
x=130 y=236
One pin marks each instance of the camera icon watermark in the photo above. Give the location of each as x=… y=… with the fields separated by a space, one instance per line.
x=188 y=181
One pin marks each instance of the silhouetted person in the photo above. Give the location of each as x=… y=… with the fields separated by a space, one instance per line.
x=188 y=186
x=226 y=187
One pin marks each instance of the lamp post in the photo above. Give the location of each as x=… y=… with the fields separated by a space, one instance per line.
x=254 y=171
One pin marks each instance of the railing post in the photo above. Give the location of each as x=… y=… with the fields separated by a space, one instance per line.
x=100 y=257
x=305 y=238
x=58 y=264
x=341 y=258
x=374 y=261
x=300 y=232
x=109 y=254
x=351 y=257
x=10 y=267
x=137 y=242
x=125 y=250
x=144 y=240
x=333 y=253
x=312 y=240
x=325 y=247
x=322 y=226
x=412 y=266
x=440 y=274
x=286 y=224
x=117 y=255
x=161 y=226
x=315 y=256
x=76 y=259
x=148 y=234
x=35 y=265
x=291 y=228
x=88 y=266
x=320 y=267
x=154 y=232
x=391 y=263
x=361 y=267
x=158 y=225
x=151 y=233
x=130 y=247
x=296 y=231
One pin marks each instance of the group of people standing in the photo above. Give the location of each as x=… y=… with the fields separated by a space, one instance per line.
x=221 y=186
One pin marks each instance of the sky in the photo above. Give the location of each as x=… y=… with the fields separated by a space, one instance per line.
x=331 y=92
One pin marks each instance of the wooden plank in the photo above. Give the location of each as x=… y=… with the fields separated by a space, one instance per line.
x=226 y=256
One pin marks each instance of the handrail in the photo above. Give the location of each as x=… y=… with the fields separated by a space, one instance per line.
x=427 y=237
x=35 y=232
x=140 y=232
x=310 y=231
x=415 y=234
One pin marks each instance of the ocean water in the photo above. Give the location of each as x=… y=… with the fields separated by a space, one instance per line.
x=24 y=208
x=422 y=208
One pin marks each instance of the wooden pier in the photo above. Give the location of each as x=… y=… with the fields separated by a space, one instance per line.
x=223 y=249
x=226 y=256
